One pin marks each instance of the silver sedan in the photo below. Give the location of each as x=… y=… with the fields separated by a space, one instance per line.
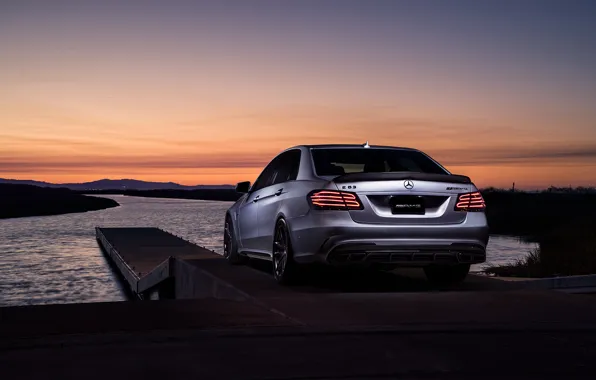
x=358 y=205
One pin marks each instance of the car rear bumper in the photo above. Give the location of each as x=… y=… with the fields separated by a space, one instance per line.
x=334 y=238
x=406 y=253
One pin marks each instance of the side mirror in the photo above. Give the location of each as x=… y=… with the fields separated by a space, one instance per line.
x=243 y=187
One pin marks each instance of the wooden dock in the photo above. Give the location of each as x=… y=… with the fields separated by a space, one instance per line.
x=156 y=264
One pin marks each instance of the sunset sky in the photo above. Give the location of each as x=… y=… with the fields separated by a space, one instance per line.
x=208 y=92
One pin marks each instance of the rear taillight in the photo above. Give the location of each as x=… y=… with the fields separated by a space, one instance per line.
x=334 y=200
x=470 y=202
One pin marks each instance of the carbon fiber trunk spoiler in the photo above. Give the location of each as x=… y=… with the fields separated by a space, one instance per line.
x=396 y=176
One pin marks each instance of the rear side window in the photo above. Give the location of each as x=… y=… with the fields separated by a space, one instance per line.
x=339 y=161
x=287 y=168
x=283 y=168
x=265 y=178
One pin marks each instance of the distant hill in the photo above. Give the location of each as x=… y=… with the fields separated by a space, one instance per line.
x=115 y=184
x=19 y=200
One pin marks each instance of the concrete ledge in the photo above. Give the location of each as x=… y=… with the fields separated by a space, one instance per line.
x=162 y=272
x=583 y=284
x=193 y=282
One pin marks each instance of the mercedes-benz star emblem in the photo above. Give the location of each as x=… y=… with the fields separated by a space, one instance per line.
x=408 y=184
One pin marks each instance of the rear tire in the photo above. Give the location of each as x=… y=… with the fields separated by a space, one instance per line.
x=447 y=274
x=230 y=245
x=285 y=269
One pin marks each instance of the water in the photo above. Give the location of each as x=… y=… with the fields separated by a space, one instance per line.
x=56 y=259
x=504 y=250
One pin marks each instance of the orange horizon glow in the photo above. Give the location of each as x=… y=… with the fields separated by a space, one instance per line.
x=229 y=150
x=525 y=176
x=493 y=160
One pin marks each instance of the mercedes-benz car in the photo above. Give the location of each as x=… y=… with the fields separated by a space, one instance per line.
x=358 y=205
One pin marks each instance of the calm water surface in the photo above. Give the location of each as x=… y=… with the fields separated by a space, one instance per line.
x=56 y=259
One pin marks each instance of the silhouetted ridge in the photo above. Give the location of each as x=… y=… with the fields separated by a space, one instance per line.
x=28 y=200
x=112 y=184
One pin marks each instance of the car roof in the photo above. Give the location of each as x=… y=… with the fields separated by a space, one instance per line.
x=318 y=146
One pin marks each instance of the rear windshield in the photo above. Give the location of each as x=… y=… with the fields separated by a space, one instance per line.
x=339 y=161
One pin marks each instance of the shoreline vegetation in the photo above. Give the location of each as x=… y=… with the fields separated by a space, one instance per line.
x=17 y=201
x=561 y=220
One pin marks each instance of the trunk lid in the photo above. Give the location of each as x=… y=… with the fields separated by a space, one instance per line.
x=406 y=197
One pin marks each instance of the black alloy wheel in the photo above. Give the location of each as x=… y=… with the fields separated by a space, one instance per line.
x=230 y=245
x=227 y=239
x=284 y=268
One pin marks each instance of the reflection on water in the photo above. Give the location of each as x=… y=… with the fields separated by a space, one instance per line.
x=504 y=250
x=55 y=259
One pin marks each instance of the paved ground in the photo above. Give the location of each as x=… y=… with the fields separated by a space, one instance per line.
x=330 y=298
x=270 y=354
x=336 y=325
x=30 y=322
x=308 y=332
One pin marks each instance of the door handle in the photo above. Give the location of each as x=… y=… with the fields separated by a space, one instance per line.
x=278 y=192
x=256 y=198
